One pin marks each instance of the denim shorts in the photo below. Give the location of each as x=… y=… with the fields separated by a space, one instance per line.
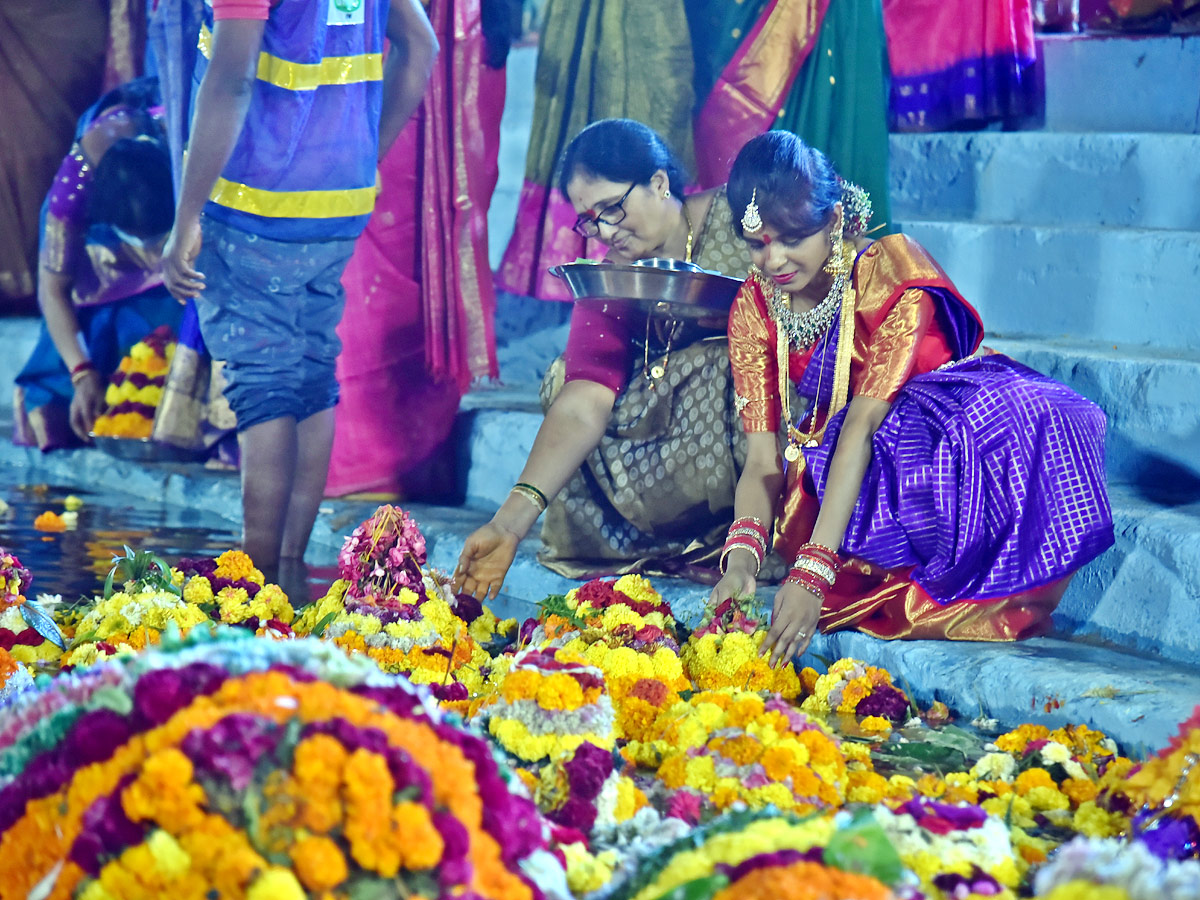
x=270 y=310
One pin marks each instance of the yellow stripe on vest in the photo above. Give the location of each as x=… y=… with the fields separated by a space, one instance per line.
x=293 y=204
x=295 y=76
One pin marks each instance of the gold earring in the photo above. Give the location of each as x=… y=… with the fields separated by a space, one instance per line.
x=834 y=265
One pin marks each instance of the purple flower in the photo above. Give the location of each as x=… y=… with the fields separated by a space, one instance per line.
x=450 y=692
x=105 y=831
x=958 y=887
x=455 y=868
x=942 y=818
x=197 y=566
x=576 y=813
x=159 y=694
x=250 y=587
x=95 y=736
x=766 y=861
x=1167 y=838
x=467 y=608
x=587 y=770
x=886 y=701
x=232 y=747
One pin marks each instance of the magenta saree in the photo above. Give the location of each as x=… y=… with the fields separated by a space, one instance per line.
x=418 y=325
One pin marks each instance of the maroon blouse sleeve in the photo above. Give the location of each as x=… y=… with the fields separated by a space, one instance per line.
x=599 y=345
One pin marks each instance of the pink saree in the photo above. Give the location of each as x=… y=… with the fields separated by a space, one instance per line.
x=418 y=325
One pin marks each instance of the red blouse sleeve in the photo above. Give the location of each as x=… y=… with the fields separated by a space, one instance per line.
x=752 y=358
x=599 y=345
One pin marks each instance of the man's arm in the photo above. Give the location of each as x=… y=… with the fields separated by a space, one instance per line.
x=409 y=64
x=221 y=106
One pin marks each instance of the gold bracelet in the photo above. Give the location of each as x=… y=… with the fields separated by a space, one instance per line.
x=532 y=494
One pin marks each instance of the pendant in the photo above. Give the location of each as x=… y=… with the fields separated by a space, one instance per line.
x=658 y=371
x=791 y=453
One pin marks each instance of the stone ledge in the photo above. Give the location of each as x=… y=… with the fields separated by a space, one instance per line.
x=1036 y=177
x=1132 y=288
x=1151 y=398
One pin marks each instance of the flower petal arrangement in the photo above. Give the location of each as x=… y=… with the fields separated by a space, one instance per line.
x=255 y=769
x=135 y=389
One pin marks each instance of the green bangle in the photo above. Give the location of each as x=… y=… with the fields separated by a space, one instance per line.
x=530 y=487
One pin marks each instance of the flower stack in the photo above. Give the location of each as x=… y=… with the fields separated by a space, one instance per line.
x=721 y=748
x=766 y=854
x=724 y=652
x=240 y=594
x=852 y=687
x=549 y=702
x=27 y=634
x=388 y=607
x=269 y=770
x=625 y=629
x=135 y=389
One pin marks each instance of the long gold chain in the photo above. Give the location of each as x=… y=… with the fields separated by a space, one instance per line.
x=660 y=371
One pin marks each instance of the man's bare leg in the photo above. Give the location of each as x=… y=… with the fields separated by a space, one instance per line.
x=268 y=463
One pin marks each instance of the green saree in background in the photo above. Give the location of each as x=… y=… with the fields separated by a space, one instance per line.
x=817 y=68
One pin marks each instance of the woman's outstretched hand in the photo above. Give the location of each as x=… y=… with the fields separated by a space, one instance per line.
x=485 y=559
x=734 y=583
x=87 y=404
x=793 y=623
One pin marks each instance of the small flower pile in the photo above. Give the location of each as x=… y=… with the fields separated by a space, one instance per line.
x=258 y=769
x=13 y=676
x=721 y=748
x=724 y=652
x=767 y=854
x=135 y=389
x=1111 y=869
x=851 y=686
x=956 y=850
x=1172 y=774
x=549 y=703
x=627 y=611
x=235 y=592
x=583 y=791
x=26 y=632
x=382 y=557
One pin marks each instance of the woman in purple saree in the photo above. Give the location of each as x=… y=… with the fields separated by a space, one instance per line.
x=932 y=489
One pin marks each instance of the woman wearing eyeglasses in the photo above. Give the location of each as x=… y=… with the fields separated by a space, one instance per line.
x=636 y=462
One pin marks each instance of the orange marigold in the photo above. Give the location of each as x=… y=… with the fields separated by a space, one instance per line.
x=1015 y=741
x=1034 y=778
x=1079 y=790
x=234 y=565
x=49 y=521
x=318 y=863
x=804 y=881
x=419 y=840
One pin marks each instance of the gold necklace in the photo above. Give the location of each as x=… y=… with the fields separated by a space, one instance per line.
x=658 y=372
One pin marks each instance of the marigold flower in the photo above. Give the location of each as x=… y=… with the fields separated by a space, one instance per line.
x=49 y=521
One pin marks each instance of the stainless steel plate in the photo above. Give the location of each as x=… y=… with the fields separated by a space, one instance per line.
x=663 y=287
x=144 y=449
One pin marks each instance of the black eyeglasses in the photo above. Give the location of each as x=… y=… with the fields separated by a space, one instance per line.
x=588 y=223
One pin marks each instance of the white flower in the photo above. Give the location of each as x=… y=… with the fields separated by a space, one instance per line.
x=995 y=767
x=1054 y=752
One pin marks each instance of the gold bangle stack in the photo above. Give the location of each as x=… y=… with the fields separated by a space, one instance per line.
x=532 y=494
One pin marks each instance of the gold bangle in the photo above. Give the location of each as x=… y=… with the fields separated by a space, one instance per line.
x=532 y=494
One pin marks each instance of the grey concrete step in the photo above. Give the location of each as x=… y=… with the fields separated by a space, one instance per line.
x=1122 y=83
x=1144 y=180
x=1116 y=286
x=1151 y=398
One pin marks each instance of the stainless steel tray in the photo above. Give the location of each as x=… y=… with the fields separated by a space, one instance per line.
x=144 y=449
x=665 y=287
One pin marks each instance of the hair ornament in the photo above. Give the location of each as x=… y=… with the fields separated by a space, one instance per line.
x=856 y=208
x=751 y=220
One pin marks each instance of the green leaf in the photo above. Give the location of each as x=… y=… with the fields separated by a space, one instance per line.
x=863 y=847
x=108 y=582
x=556 y=605
x=698 y=889
x=319 y=628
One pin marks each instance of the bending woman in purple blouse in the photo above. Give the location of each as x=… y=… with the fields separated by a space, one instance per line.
x=640 y=450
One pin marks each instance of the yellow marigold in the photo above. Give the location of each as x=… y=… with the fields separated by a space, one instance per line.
x=1047 y=798
x=866 y=787
x=876 y=725
x=318 y=862
x=234 y=604
x=234 y=565
x=1034 y=778
x=630 y=799
x=276 y=884
x=1016 y=741
x=559 y=691
x=638 y=589
x=1093 y=821
x=198 y=590
x=701 y=774
x=164 y=792
x=521 y=685
x=1079 y=790
x=1087 y=890
x=169 y=858
x=587 y=873
x=901 y=787
x=742 y=749
x=276 y=601
x=930 y=786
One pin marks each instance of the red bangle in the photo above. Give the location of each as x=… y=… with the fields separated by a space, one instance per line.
x=83 y=367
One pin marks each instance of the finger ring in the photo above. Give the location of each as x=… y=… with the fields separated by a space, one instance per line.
x=801 y=633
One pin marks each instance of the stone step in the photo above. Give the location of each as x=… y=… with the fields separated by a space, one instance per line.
x=1115 y=286
x=1142 y=180
x=1151 y=398
x=1122 y=83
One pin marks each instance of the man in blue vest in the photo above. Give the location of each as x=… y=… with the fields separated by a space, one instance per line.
x=294 y=104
